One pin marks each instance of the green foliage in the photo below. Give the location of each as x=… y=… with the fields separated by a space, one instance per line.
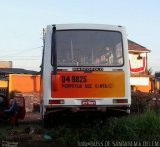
x=135 y=127
x=143 y=127
x=13 y=93
x=138 y=127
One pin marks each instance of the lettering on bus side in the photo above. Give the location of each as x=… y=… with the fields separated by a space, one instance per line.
x=74 y=79
x=87 y=69
x=82 y=82
x=104 y=85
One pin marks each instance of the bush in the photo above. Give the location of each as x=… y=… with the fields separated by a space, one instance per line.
x=137 y=127
x=143 y=127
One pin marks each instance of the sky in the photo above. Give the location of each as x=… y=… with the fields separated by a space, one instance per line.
x=22 y=22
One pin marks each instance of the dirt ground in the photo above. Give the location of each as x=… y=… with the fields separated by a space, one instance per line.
x=31 y=117
x=28 y=132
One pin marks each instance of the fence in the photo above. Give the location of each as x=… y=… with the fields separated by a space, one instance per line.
x=4 y=90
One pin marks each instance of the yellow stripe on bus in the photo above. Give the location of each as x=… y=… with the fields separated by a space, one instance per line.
x=88 y=85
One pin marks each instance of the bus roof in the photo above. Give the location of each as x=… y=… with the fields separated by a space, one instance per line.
x=87 y=26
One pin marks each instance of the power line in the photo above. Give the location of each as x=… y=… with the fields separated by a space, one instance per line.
x=28 y=56
x=22 y=51
x=21 y=59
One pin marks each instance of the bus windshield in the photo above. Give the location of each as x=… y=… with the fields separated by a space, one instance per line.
x=89 y=48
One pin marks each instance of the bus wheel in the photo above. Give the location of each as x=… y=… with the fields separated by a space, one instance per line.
x=47 y=121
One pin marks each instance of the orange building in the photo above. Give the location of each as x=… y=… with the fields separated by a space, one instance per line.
x=15 y=79
x=24 y=83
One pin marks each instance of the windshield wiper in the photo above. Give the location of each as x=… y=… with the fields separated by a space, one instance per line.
x=54 y=51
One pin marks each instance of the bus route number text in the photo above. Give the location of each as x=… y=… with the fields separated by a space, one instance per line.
x=74 y=79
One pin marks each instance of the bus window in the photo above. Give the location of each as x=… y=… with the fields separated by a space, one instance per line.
x=89 y=48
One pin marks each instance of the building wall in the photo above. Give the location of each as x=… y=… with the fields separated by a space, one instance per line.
x=5 y=64
x=29 y=87
x=143 y=88
x=4 y=87
x=137 y=65
x=24 y=83
x=3 y=83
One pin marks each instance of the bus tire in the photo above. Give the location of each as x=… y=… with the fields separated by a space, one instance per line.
x=45 y=121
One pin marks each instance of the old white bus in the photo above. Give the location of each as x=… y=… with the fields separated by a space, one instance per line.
x=85 y=67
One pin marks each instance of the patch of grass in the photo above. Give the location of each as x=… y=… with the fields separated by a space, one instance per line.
x=137 y=127
x=143 y=127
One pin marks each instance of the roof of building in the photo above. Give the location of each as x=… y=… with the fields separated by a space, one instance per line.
x=133 y=46
x=17 y=71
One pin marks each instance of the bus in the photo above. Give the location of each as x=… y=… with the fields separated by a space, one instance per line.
x=85 y=67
